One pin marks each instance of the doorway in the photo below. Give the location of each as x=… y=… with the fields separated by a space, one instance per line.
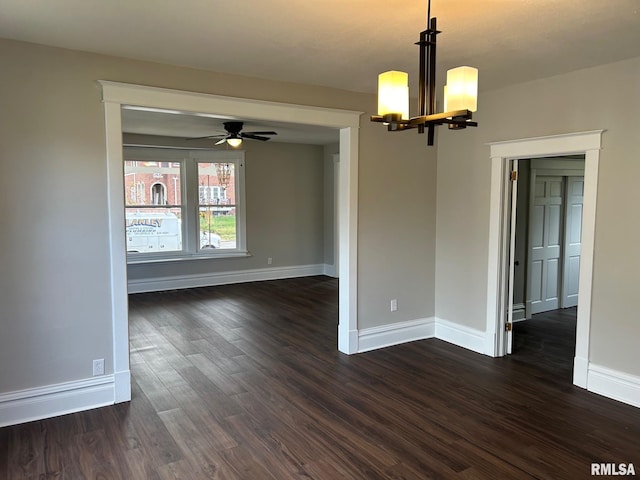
x=498 y=294
x=114 y=95
x=548 y=227
x=548 y=206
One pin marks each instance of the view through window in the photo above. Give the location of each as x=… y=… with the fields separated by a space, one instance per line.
x=183 y=203
x=217 y=204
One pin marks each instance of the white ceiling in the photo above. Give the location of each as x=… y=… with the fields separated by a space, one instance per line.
x=338 y=43
x=185 y=126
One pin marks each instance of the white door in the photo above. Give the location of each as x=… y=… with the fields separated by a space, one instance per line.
x=545 y=243
x=572 y=241
x=513 y=183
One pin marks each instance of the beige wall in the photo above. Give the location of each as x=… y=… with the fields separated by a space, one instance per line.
x=396 y=227
x=330 y=217
x=55 y=315
x=605 y=97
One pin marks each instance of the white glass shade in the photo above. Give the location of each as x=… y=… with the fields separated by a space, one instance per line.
x=461 y=92
x=445 y=109
x=393 y=93
x=234 y=142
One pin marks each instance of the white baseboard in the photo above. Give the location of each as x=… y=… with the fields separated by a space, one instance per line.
x=394 y=334
x=519 y=312
x=595 y=378
x=459 y=335
x=122 y=386
x=348 y=342
x=397 y=333
x=580 y=372
x=177 y=282
x=54 y=400
x=330 y=270
x=614 y=384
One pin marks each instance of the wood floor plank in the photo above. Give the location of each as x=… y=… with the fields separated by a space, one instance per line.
x=155 y=390
x=245 y=465
x=243 y=382
x=266 y=452
x=285 y=433
x=96 y=458
x=150 y=433
x=4 y=451
x=323 y=430
x=200 y=451
x=26 y=452
x=225 y=382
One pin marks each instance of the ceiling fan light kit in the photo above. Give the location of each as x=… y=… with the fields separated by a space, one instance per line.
x=233 y=141
x=460 y=92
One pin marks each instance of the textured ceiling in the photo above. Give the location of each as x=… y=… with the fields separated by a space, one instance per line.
x=338 y=43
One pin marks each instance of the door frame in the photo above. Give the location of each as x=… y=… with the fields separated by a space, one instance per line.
x=115 y=95
x=587 y=143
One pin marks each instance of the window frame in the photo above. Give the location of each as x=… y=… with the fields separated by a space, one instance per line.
x=189 y=192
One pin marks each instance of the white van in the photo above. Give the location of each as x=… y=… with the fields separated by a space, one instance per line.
x=149 y=232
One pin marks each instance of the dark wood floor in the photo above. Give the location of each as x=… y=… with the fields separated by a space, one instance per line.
x=244 y=382
x=548 y=340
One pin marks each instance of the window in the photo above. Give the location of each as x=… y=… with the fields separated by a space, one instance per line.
x=183 y=204
x=217 y=205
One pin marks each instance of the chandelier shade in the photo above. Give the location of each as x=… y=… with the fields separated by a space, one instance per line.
x=461 y=93
x=393 y=93
x=462 y=89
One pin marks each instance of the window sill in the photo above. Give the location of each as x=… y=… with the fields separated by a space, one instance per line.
x=188 y=257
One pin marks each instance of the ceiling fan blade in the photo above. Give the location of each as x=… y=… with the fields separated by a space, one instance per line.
x=254 y=137
x=262 y=133
x=200 y=138
x=221 y=141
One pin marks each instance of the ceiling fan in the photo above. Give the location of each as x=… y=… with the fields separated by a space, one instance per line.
x=235 y=135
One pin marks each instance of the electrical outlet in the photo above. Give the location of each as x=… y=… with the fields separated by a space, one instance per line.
x=394 y=305
x=98 y=367
x=269 y=261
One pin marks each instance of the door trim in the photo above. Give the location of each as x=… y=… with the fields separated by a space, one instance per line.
x=588 y=143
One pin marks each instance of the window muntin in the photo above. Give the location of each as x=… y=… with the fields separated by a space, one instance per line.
x=183 y=203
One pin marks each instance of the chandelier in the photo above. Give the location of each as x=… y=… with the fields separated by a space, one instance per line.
x=460 y=92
